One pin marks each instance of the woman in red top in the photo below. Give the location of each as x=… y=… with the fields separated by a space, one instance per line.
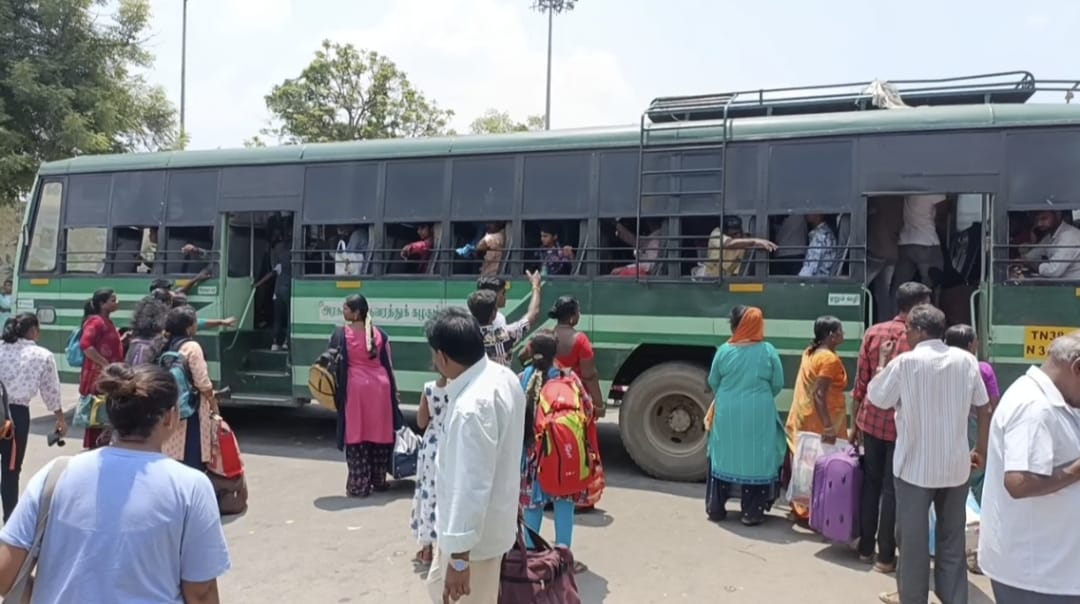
x=575 y=352
x=101 y=346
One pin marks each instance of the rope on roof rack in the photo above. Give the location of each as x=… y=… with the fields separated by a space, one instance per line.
x=885 y=96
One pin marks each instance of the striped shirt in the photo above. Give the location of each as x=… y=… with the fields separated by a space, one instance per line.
x=938 y=384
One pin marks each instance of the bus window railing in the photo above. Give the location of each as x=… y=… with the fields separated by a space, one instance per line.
x=1017 y=264
x=128 y=263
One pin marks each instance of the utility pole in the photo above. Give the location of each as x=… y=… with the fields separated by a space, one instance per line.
x=551 y=7
x=183 y=71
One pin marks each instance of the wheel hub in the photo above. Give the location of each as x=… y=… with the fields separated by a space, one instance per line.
x=679 y=420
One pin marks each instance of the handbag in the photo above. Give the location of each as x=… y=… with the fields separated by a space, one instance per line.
x=544 y=575
x=406 y=452
x=23 y=588
x=91 y=413
x=225 y=460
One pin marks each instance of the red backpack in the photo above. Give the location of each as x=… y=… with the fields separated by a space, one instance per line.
x=564 y=451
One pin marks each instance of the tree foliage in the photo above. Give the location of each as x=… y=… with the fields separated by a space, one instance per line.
x=69 y=85
x=499 y=122
x=350 y=94
x=556 y=6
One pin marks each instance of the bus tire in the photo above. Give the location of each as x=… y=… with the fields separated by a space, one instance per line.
x=661 y=421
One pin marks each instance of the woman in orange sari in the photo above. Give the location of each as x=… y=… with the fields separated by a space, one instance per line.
x=818 y=404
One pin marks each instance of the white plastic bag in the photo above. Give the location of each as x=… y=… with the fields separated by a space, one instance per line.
x=347 y=263
x=971 y=529
x=808 y=448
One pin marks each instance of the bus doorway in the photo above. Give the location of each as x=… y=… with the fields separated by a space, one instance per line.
x=256 y=258
x=938 y=239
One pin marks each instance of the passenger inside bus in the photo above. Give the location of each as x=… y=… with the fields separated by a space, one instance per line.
x=919 y=244
x=554 y=258
x=822 y=252
x=350 y=252
x=281 y=274
x=490 y=246
x=646 y=248
x=418 y=253
x=1057 y=254
x=727 y=247
x=884 y=219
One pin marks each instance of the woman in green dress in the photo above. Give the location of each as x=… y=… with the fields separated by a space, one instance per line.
x=746 y=437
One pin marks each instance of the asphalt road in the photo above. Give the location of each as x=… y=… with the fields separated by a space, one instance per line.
x=303 y=541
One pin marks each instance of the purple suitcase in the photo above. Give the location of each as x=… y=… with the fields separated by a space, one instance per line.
x=834 y=498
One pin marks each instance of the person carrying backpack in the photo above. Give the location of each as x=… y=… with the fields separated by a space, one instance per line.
x=559 y=457
x=183 y=358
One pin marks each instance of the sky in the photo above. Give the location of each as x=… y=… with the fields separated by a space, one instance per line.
x=611 y=57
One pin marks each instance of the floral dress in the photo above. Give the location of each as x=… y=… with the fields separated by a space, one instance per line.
x=423 y=508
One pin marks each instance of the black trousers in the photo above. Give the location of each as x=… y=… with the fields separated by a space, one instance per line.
x=12 y=464
x=878 y=513
x=281 y=320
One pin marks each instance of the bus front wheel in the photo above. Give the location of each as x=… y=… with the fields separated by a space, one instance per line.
x=661 y=421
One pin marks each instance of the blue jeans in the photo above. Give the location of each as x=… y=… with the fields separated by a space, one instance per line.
x=564 y=521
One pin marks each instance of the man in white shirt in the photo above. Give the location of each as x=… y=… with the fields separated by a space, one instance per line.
x=478 y=467
x=933 y=388
x=920 y=247
x=1029 y=542
x=1058 y=254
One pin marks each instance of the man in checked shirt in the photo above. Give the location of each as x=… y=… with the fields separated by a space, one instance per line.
x=875 y=428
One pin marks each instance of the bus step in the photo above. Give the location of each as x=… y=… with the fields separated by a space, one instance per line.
x=263 y=381
x=268 y=360
x=261 y=399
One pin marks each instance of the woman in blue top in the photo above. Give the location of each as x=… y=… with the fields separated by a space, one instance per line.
x=746 y=437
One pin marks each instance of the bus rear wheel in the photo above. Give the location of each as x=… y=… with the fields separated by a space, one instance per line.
x=661 y=421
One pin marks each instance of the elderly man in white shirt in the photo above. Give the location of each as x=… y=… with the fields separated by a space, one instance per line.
x=1029 y=542
x=478 y=467
x=919 y=244
x=1058 y=253
x=933 y=388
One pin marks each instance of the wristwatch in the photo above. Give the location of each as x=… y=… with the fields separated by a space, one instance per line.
x=459 y=565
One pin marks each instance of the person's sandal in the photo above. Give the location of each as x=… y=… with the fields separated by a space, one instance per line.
x=885 y=568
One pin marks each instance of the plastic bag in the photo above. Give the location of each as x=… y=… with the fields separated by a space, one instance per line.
x=971 y=529
x=808 y=448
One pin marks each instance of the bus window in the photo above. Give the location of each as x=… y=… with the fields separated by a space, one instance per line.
x=828 y=240
x=127 y=250
x=1044 y=246
x=187 y=250
x=650 y=243
x=409 y=248
x=551 y=246
x=480 y=247
x=86 y=249
x=694 y=242
x=712 y=243
x=791 y=234
x=44 y=239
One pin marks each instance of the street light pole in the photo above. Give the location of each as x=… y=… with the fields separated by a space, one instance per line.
x=183 y=70
x=547 y=102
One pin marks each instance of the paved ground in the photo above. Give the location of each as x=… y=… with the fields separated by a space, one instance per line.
x=302 y=541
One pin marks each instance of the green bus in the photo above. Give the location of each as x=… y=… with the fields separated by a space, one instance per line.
x=749 y=161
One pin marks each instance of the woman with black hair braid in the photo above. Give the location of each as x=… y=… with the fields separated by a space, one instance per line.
x=818 y=403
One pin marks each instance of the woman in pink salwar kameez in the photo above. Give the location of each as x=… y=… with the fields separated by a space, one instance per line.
x=366 y=399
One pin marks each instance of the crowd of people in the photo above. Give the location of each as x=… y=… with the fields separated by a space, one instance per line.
x=928 y=418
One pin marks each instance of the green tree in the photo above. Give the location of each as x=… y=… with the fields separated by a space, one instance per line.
x=68 y=85
x=499 y=122
x=350 y=94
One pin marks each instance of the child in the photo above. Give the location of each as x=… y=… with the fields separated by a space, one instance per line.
x=430 y=419
x=964 y=337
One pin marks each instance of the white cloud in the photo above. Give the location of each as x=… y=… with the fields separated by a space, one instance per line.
x=474 y=54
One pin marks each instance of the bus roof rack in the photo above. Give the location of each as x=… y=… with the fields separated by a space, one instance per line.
x=1013 y=87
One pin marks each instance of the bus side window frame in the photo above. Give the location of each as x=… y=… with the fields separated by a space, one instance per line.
x=30 y=227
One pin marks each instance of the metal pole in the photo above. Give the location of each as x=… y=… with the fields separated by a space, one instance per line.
x=547 y=104
x=183 y=70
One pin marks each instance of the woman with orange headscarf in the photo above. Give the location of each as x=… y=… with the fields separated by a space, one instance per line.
x=746 y=437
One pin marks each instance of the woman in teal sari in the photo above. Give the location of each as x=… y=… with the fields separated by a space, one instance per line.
x=746 y=437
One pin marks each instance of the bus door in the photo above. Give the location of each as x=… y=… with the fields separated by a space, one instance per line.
x=971 y=252
x=247 y=270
